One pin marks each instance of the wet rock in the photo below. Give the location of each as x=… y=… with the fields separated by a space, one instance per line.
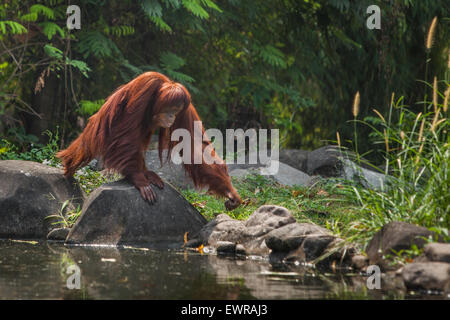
x=395 y=236
x=437 y=252
x=292 y=236
x=270 y=230
x=58 y=234
x=427 y=276
x=29 y=193
x=225 y=247
x=359 y=262
x=221 y=228
x=115 y=213
x=266 y=218
x=240 y=250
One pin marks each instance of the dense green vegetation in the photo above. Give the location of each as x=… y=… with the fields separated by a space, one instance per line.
x=286 y=64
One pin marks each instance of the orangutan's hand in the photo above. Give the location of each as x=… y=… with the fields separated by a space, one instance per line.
x=154 y=179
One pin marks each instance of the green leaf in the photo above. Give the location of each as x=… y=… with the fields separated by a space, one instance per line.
x=152 y=8
x=15 y=28
x=161 y=24
x=195 y=8
x=171 y=61
x=50 y=29
x=93 y=42
x=273 y=56
x=53 y=52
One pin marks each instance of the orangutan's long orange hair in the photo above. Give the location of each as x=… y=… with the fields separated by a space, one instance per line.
x=120 y=132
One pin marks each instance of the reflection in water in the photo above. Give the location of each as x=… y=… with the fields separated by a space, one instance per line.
x=38 y=271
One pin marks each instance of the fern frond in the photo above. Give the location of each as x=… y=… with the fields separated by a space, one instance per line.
x=173 y=3
x=170 y=60
x=273 y=56
x=179 y=76
x=119 y=31
x=50 y=29
x=15 y=27
x=152 y=8
x=161 y=24
x=93 y=42
x=41 y=9
x=195 y=8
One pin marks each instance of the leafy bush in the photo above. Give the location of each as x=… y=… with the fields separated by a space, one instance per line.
x=29 y=150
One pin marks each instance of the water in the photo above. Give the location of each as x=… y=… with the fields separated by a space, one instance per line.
x=39 y=271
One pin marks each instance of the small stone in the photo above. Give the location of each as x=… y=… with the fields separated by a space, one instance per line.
x=359 y=261
x=225 y=247
x=437 y=252
x=240 y=249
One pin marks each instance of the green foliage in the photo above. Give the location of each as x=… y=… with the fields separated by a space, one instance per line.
x=14 y=27
x=65 y=218
x=88 y=107
x=50 y=29
x=89 y=179
x=95 y=43
x=417 y=156
x=59 y=58
x=27 y=148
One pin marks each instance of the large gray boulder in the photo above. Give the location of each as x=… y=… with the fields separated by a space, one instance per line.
x=294 y=158
x=115 y=214
x=29 y=193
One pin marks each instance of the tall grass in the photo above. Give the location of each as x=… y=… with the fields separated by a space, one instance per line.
x=417 y=153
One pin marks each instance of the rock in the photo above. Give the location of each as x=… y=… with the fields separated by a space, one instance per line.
x=395 y=236
x=267 y=218
x=115 y=213
x=294 y=158
x=329 y=161
x=324 y=161
x=29 y=193
x=170 y=172
x=369 y=179
x=270 y=230
x=291 y=236
x=240 y=250
x=285 y=174
x=225 y=247
x=221 y=228
x=359 y=261
x=427 y=276
x=437 y=252
x=58 y=234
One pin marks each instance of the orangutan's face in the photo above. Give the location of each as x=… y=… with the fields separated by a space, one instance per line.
x=166 y=118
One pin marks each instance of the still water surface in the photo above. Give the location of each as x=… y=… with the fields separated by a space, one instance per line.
x=38 y=271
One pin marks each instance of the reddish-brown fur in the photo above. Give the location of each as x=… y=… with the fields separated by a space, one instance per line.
x=121 y=130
